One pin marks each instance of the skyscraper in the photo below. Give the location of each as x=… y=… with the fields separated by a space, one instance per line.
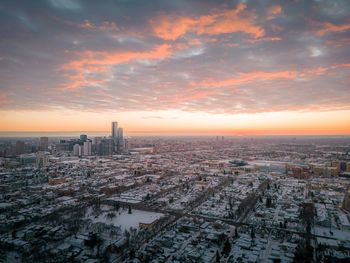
x=115 y=130
x=120 y=140
x=117 y=136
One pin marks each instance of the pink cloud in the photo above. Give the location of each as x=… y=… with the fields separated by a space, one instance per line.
x=171 y=27
x=327 y=27
x=243 y=78
x=79 y=70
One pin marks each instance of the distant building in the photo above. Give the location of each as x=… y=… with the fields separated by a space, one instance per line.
x=63 y=146
x=115 y=135
x=19 y=147
x=38 y=159
x=44 y=143
x=319 y=170
x=120 y=140
x=342 y=166
x=118 y=137
x=97 y=140
x=42 y=158
x=299 y=171
x=27 y=159
x=77 y=150
x=346 y=202
x=114 y=130
x=105 y=147
x=83 y=137
x=126 y=144
x=332 y=171
x=87 y=148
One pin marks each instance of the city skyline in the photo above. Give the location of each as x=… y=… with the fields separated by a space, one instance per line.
x=176 y=67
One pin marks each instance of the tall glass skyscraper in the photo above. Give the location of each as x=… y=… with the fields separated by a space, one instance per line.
x=115 y=130
x=120 y=139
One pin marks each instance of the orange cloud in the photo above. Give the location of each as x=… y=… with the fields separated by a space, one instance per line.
x=79 y=70
x=329 y=27
x=171 y=27
x=314 y=72
x=87 y=25
x=243 y=78
x=275 y=10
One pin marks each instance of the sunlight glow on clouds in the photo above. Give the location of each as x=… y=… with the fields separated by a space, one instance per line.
x=186 y=61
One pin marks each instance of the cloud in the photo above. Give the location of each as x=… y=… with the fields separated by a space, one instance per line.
x=171 y=27
x=87 y=25
x=243 y=78
x=275 y=10
x=315 y=52
x=66 y=4
x=327 y=27
x=80 y=71
x=256 y=76
x=196 y=56
x=105 y=26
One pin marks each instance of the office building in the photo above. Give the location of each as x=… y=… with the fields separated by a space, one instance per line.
x=77 y=150
x=19 y=147
x=62 y=146
x=117 y=136
x=120 y=141
x=87 y=148
x=83 y=137
x=114 y=130
x=44 y=143
x=97 y=140
x=105 y=147
x=42 y=158
x=346 y=202
x=126 y=145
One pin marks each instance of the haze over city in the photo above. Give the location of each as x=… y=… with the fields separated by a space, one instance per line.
x=175 y=67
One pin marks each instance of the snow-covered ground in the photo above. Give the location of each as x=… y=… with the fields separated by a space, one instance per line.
x=122 y=218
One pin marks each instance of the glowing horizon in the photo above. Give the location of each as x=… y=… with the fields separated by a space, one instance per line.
x=179 y=122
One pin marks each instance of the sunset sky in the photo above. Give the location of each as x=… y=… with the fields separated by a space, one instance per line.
x=175 y=66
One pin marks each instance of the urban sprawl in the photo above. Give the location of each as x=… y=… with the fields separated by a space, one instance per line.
x=175 y=199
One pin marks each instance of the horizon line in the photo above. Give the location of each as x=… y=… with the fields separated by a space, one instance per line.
x=167 y=134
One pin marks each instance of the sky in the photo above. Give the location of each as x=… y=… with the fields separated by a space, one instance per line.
x=176 y=66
